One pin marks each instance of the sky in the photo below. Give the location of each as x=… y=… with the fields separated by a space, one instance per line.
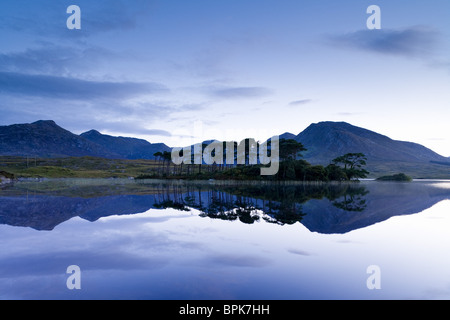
x=181 y=72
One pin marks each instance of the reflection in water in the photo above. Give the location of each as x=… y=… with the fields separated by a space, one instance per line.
x=353 y=200
x=278 y=204
x=213 y=241
x=323 y=208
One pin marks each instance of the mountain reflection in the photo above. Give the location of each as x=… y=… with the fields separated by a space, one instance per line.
x=323 y=208
x=278 y=204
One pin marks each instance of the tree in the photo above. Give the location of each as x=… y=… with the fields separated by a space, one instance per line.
x=167 y=156
x=336 y=173
x=289 y=152
x=158 y=156
x=290 y=149
x=315 y=173
x=352 y=165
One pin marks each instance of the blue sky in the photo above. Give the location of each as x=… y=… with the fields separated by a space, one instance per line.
x=182 y=71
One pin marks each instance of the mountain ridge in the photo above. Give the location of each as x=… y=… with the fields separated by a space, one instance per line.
x=45 y=139
x=125 y=147
x=337 y=138
x=324 y=141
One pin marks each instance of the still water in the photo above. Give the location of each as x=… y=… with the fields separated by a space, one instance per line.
x=192 y=240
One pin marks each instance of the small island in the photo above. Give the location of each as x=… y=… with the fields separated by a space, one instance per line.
x=6 y=177
x=400 y=177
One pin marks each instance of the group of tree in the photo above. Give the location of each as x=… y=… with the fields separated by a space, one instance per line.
x=164 y=160
x=400 y=177
x=291 y=167
x=343 y=168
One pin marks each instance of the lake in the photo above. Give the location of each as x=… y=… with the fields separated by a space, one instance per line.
x=209 y=240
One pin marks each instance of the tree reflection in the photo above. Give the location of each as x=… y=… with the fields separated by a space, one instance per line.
x=351 y=204
x=321 y=207
x=353 y=200
x=279 y=204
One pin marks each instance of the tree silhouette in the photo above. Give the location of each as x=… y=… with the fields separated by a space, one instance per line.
x=290 y=149
x=353 y=200
x=289 y=152
x=352 y=165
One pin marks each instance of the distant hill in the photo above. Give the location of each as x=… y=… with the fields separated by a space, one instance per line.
x=126 y=148
x=288 y=136
x=46 y=139
x=328 y=140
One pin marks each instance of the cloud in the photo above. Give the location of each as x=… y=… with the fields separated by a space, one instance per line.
x=52 y=263
x=47 y=18
x=299 y=252
x=155 y=132
x=79 y=105
x=300 y=102
x=145 y=119
x=72 y=88
x=417 y=41
x=239 y=261
x=109 y=15
x=54 y=59
x=348 y=114
x=240 y=92
x=132 y=128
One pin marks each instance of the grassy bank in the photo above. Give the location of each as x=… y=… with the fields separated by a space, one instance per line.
x=90 y=167
x=84 y=167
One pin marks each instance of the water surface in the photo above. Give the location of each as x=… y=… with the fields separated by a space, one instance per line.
x=191 y=240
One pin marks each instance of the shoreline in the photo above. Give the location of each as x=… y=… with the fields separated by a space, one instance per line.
x=204 y=181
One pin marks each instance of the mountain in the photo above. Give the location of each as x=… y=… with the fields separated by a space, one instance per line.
x=46 y=139
x=324 y=141
x=328 y=140
x=126 y=148
x=288 y=136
